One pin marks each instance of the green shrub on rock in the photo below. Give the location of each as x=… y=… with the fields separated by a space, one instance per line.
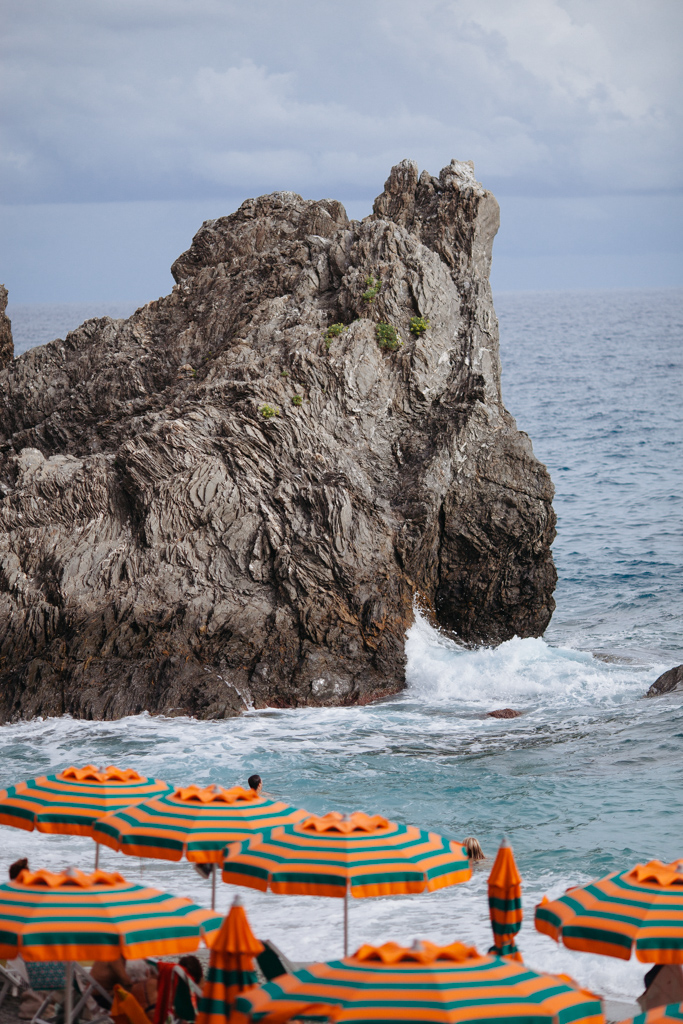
x=333 y=331
x=374 y=284
x=418 y=325
x=387 y=337
x=297 y=400
x=268 y=411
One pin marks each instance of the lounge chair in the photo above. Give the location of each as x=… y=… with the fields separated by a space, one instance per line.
x=273 y=962
x=11 y=981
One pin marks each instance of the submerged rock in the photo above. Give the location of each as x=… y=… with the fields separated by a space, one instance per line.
x=503 y=713
x=233 y=497
x=669 y=681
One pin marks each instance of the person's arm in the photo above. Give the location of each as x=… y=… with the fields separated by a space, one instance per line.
x=120 y=973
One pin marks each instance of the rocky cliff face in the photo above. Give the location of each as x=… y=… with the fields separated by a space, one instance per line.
x=221 y=501
x=6 y=343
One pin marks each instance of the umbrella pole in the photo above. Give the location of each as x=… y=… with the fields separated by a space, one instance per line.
x=69 y=992
x=213 y=886
x=346 y=921
x=97 y=856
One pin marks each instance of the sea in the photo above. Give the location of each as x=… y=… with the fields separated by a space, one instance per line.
x=588 y=780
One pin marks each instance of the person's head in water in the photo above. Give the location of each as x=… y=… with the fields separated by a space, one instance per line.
x=255 y=783
x=474 y=850
x=16 y=868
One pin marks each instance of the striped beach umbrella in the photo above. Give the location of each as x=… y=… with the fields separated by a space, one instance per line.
x=231 y=967
x=194 y=822
x=671 y=1014
x=75 y=916
x=98 y=916
x=505 y=902
x=72 y=800
x=338 y=855
x=428 y=984
x=641 y=908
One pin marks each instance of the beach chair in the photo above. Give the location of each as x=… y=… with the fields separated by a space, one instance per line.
x=49 y=977
x=11 y=981
x=272 y=961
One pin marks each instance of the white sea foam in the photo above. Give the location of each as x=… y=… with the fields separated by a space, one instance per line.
x=521 y=671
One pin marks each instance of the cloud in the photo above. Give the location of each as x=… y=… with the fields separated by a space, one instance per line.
x=179 y=99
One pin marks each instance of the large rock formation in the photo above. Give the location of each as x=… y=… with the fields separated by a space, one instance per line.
x=168 y=545
x=6 y=342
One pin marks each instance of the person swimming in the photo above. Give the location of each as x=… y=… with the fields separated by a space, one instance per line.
x=256 y=783
x=16 y=868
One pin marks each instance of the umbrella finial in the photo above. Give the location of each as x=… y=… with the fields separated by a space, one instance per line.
x=238 y=901
x=504 y=840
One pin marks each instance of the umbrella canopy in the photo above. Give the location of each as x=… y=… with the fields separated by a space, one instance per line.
x=505 y=902
x=231 y=967
x=641 y=907
x=335 y=854
x=671 y=1014
x=101 y=916
x=192 y=821
x=427 y=983
x=71 y=801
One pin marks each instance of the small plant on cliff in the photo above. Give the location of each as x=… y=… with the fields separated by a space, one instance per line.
x=387 y=337
x=332 y=332
x=268 y=411
x=297 y=400
x=373 y=286
x=284 y=373
x=418 y=325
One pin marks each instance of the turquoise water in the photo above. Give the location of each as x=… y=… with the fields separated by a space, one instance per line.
x=588 y=779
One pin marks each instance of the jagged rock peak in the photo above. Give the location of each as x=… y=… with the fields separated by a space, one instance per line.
x=234 y=497
x=6 y=341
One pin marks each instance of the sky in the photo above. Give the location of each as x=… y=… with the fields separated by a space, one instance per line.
x=126 y=123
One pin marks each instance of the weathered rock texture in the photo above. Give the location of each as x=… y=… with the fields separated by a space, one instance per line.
x=6 y=342
x=669 y=682
x=165 y=546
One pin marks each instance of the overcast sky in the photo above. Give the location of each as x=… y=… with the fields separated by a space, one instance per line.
x=127 y=122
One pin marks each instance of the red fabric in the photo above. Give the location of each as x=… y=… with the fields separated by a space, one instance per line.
x=166 y=991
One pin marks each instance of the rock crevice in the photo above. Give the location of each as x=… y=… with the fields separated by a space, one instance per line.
x=220 y=503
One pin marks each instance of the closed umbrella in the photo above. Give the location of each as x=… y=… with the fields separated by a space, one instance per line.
x=100 y=916
x=338 y=855
x=505 y=902
x=71 y=801
x=231 y=967
x=192 y=821
x=640 y=908
x=428 y=984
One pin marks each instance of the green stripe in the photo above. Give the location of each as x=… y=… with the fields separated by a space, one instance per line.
x=505 y=905
x=597 y=935
x=665 y=942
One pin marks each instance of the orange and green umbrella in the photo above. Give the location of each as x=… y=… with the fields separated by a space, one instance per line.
x=71 y=801
x=98 y=916
x=231 y=967
x=428 y=984
x=192 y=821
x=338 y=855
x=641 y=908
x=671 y=1014
x=505 y=902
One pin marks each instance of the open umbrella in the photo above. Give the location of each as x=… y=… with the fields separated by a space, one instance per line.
x=71 y=801
x=428 y=983
x=231 y=967
x=340 y=854
x=671 y=1014
x=75 y=916
x=505 y=902
x=192 y=821
x=641 y=907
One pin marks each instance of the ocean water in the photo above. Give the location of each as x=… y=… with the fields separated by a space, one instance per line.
x=587 y=780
